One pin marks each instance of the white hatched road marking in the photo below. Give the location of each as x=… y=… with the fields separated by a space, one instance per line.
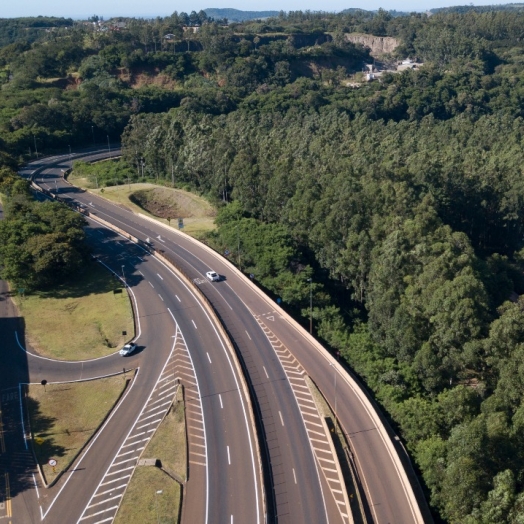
x=308 y=409
x=152 y=413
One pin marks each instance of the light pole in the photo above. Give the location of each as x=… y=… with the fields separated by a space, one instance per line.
x=335 y=387
x=70 y=159
x=108 y=146
x=36 y=150
x=123 y=276
x=159 y=492
x=93 y=133
x=238 y=241
x=310 y=280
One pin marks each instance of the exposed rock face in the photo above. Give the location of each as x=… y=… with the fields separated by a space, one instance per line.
x=379 y=45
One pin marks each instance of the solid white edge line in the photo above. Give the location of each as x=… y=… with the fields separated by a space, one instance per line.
x=132 y=429
x=202 y=411
x=303 y=423
x=98 y=433
x=250 y=436
x=22 y=413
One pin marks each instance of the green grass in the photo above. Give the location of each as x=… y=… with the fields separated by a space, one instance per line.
x=142 y=504
x=196 y=225
x=169 y=442
x=141 y=500
x=78 y=320
x=63 y=417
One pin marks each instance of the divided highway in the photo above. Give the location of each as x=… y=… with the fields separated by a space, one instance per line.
x=299 y=485
x=178 y=341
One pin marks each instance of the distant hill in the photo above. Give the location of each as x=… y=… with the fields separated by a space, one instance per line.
x=359 y=12
x=478 y=8
x=235 y=15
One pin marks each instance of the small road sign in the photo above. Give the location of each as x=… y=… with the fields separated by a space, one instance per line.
x=52 y=462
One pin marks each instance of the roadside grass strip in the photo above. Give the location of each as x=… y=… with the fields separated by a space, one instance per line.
x=78 y=320
x=154 y=494
x=63 y=417
x=317 y=432
x=197 y=213
x=151 y=496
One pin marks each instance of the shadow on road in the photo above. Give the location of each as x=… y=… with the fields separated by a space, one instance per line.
x=16 y=461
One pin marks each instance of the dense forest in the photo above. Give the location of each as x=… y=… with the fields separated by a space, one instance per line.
x=402 y=199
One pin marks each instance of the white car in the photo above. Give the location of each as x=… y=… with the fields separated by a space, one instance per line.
x=128 y=349
x=213 y=276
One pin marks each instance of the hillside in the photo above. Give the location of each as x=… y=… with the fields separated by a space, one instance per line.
x=401 y=197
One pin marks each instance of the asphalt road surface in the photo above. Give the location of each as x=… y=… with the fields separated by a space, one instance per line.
x=388 y=486
x=177 y=340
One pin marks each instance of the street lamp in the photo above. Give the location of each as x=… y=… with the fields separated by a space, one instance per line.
x=108 y=146
x=70 y=158
x=123 y=276
x=36 y=150
x=310 y=280
x=238 y=241
x=335 y=387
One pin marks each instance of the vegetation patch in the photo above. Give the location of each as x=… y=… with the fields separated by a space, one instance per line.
x=101 y=174
x=63 y=417
x=170 y=204
x=153 y=493
x=80 y=319
x=150 y=497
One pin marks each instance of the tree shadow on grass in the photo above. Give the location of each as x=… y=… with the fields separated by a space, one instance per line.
x=95 y=278
x=42 y=429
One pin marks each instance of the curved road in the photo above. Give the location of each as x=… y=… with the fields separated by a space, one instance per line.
x=384 y=471
x=177 y=340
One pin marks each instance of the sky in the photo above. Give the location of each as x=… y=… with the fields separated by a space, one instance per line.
x=82 y=10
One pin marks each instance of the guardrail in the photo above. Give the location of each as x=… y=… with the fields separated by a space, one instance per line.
x=164 y=257
x=352 y=382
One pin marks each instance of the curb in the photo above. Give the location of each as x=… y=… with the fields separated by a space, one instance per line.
x=373 y=413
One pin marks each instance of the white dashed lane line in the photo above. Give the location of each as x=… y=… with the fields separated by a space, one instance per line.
x=159 y=276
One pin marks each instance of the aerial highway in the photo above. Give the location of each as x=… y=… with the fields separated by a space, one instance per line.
x=302 y=484
x=178 y=342
x=275 y=353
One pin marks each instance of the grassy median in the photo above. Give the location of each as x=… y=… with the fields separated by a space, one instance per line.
x=80 y=319
x=154 y=495
x=63 y=417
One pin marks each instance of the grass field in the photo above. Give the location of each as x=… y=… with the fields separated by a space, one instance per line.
x=142 y=501
x=78 y=320
x=63 y=417
x=151 y=497
x=197 y=212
